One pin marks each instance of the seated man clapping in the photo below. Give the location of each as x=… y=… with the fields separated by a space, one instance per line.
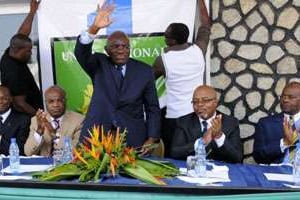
x=220 y=133
x=49 y=127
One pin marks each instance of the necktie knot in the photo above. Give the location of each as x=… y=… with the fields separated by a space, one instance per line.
x=55 y=124
x=120 y=70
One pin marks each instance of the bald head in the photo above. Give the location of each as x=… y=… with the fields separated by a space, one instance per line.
x=116 y=35
x=56 y=89
x=205 y=101
x=210 y=91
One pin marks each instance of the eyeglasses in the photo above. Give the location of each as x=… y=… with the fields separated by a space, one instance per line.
x=117 y=46
x=288 y=97
x=202 y=101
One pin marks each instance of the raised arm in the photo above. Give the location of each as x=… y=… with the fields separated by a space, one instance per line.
x=103 y=18
x=25 y=27
x=202 y=39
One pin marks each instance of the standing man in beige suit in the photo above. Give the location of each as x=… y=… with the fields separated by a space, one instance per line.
x=48 y=128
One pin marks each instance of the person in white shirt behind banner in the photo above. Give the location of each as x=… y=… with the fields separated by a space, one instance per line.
x=182 y=64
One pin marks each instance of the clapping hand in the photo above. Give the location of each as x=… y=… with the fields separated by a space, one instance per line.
x=287 y=132
x=216 y=126
x=214 y=131
x=43 y=123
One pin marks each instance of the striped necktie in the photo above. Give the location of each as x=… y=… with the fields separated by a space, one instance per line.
x=204 y=126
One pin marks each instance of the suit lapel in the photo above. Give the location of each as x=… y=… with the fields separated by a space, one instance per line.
x=112 y=72
x=9 y=121
x=129 y=73
x=195 y=127
x=64 y=124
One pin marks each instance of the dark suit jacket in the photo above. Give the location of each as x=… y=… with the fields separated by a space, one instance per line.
x=125 y=107
x=189 y=129
x=268 y=133
x=15 y=126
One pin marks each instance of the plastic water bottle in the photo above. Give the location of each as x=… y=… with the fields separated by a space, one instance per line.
x=14 y=157
x=200 y=154
x=67 y=150
x=296 y=167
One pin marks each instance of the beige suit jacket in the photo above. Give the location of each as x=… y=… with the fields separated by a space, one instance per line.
x=70 y=126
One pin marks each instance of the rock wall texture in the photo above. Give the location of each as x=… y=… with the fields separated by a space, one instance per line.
x=255 y=51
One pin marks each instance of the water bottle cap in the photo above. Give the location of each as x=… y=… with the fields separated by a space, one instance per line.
x=12 y=140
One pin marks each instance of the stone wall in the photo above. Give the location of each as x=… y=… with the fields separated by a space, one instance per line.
x=255 y=51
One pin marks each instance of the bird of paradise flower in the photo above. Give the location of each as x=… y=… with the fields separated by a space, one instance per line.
x=107 y=153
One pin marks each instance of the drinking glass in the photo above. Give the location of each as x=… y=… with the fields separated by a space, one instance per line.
x=57 y=156
x=190 y=166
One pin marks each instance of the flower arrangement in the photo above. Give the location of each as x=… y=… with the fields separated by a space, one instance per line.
x=103 y=154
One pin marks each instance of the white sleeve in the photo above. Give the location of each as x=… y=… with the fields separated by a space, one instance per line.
x=282 y=145
x=86 y=38
x=38 y=138
x=220 y=141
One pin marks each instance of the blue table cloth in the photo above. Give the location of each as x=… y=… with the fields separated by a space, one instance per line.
x=241 y=175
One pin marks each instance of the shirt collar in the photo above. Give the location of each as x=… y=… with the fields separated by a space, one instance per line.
x=123 y=68
x=5 y=115
x=208 y=120
x=58 y=119
x=296 y=116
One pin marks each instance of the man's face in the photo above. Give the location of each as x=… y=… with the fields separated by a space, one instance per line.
x=118 y=49
x=205 y=102
x=5 y=100
x=55 y=103
x=168 y=37
x=290 y=100
x=24 y=54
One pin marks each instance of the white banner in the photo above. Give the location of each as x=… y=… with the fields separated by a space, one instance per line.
x=67 y=18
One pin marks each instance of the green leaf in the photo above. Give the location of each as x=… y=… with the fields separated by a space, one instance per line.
x=161 y=169
x=104 y=163
x=141 y=174
x=65 y=171
x=86 y=175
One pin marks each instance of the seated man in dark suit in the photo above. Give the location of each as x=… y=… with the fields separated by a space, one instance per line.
x=220 y=133
x=12 y=123
x=274 y=134
x=48 y=128
x=124 y=89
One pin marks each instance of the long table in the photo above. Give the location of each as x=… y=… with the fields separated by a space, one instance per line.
x=245 y=179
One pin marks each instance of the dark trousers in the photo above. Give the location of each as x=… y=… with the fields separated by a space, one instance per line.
x=167 y=131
